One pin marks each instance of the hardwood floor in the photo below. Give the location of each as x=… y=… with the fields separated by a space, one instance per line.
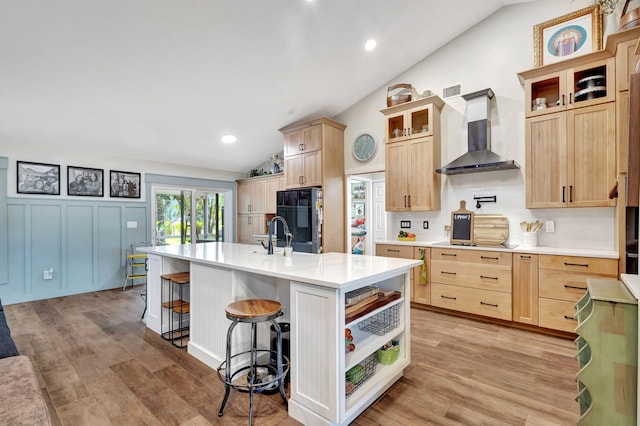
x=99 y=365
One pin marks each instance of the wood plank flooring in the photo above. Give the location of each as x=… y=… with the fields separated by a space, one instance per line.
x=99 y=365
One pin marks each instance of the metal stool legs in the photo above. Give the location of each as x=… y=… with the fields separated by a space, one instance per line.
x=254 y=385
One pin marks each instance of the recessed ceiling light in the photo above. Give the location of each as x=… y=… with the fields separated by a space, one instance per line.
x=370 y=45
x=228 y=139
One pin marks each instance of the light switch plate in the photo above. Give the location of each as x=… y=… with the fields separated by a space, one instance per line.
x=550 y=226
x=425 y=224
x=404 y=224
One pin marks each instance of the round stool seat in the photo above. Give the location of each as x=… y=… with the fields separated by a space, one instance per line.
x=253 y=310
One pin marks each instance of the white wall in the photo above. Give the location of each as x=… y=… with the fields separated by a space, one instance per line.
x=489 y=55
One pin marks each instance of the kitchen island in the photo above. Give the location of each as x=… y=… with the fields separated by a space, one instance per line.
x=312 y=291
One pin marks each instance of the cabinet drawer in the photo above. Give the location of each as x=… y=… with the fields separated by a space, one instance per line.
x=474 y=275
x=476 y=256
x=580 y=264
x=557 y=314
x=389 y=250
x=472 y=300
x=569 y=286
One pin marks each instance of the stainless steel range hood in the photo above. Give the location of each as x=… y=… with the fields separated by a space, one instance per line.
x=479 y=157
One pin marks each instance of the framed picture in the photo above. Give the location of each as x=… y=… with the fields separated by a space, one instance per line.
x=38 y=178
x=124 y=184
x=568 y=36
x=358 y=209
x=85 y=182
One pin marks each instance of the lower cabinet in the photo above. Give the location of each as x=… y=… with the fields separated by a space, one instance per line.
x=534 y=289
x=420 y=283
x=473 y=281
x=562 y=281
x=607 y=353
x=525 y=288
x=249 y=225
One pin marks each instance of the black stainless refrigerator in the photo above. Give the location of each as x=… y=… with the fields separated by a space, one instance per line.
x=302 y=209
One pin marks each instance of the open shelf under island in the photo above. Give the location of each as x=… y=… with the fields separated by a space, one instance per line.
x=312 y=289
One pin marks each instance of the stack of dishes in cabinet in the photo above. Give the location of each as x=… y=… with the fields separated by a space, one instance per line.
x=594 y=86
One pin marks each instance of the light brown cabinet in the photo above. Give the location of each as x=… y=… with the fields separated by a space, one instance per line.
x=562 y=282
x=250 y=225
x=569 y=141
x=412 y=154
x=570 y=158
x=256 y=205
x=411 y=183
x=314 y=156
x=251 y=196
x=420 y=284
x=412 y=120
x=525 y=288
x=272 y=186
x=472 y=281
x=307 y=139
x=576 y=86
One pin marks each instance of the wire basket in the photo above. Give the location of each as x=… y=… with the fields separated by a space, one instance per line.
x=366 y=370
x=382 y=322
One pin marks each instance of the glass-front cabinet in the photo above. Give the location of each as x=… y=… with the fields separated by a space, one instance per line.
x=578 y=86
x=411 y=120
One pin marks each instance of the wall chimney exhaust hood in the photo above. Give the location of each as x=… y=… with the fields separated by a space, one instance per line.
x=479 y=157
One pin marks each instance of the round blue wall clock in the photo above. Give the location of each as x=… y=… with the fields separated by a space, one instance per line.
x=364 y=147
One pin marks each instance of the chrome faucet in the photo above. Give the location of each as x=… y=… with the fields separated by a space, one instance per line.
x=287 y=234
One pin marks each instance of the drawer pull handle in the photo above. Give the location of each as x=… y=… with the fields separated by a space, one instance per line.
x=449 y=254
x=525 y=257
x=448 y=297
x=447 y=273
x=394 y=250
x=488 y=278
x=585 y=265
x=570 y=318
x=495 y=305
x=574 y=287
x=489 y=257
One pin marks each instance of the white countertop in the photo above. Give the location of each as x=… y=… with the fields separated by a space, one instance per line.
x=632 y=282
x=335 y=270
x=608 y=254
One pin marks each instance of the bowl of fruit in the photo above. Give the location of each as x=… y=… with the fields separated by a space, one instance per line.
x=406 y=236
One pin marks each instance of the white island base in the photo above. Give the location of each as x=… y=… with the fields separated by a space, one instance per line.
x=311 y=289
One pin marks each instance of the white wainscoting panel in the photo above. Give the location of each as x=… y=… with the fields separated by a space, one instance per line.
x=314 y=348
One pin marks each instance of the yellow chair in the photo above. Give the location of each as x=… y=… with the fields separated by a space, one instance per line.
x=137 y=269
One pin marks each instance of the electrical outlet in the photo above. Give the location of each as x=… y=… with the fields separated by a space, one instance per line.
x=47 y=274
x=425 y=224
x=404 y=224
x=550 y=226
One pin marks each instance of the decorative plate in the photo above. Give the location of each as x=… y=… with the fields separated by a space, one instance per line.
x=364 y=147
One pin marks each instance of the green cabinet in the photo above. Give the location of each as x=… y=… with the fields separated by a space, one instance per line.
x=607 y=354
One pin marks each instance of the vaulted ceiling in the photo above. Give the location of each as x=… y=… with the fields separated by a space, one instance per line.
x=165 y=79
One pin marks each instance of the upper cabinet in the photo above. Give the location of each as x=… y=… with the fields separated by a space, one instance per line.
x=307 y=139
x=313 y=150
x=578 y=86
x=314 y=156
x=570 y=133
x=412 y=120
x=412 y=154
x=251 y=196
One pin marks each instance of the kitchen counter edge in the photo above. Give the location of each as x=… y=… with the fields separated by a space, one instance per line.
x=606 y=254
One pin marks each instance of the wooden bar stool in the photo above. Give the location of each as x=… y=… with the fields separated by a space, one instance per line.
x=253 y=378
x=176 y=305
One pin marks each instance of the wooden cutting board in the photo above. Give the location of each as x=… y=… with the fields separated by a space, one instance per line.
x=490 y=229
x=383 y=299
